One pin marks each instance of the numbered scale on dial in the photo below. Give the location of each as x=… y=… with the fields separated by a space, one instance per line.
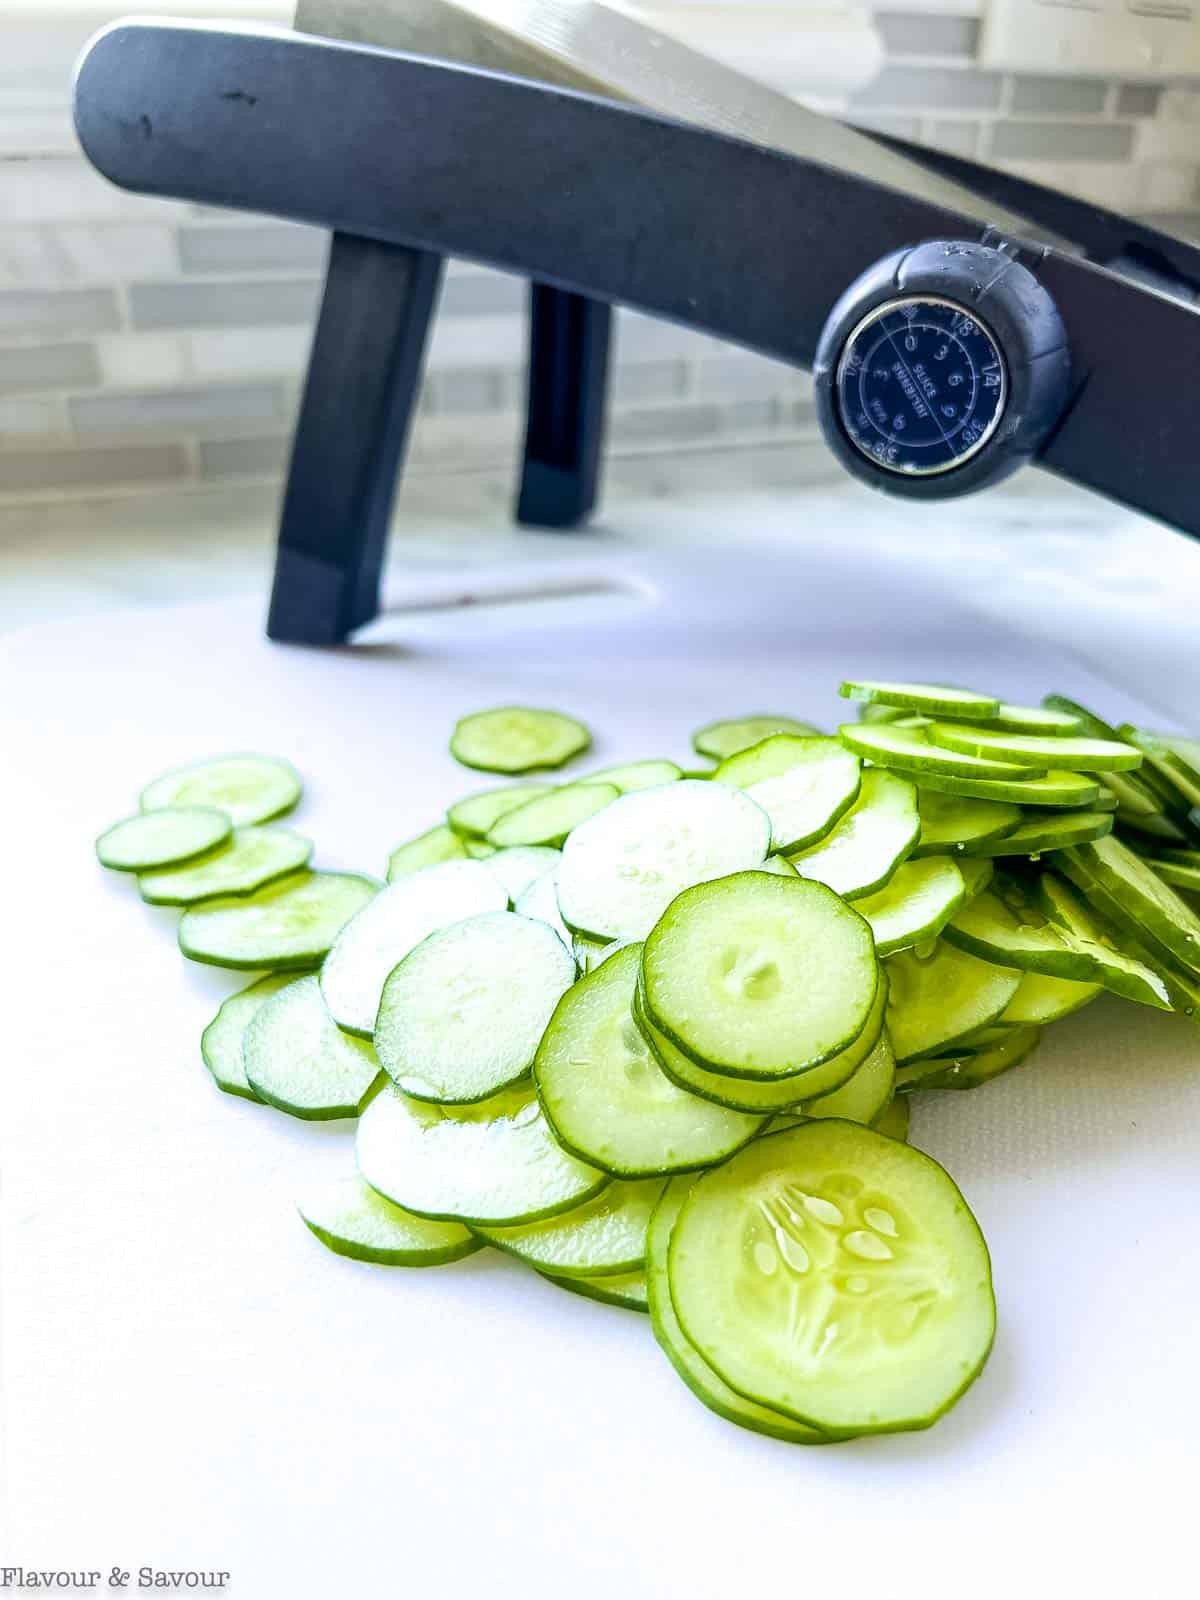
x=921 y=385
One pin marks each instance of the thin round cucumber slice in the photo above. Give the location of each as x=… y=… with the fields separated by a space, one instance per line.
x=865 y=848
x=426 y=850
x=888 y=744
x=720 y=740
x=517 y=739
x=474 y=817
x=759 y=977
x=837 y=1276
x=915 y=904
x=519 y=867
x=1142 y=896
x=691 y=1366
x=289 y=925
x=743 y=1094
x=1040 y=1000
x=495 y=1162
x=936 y=1002
x=1036 y=750
x=221 y=1041
x=351 y=1219
x=394 y=923
x=540 y=902
x=894 y=1119
x=605 y=1095
x=551 y=817
x=932 y=699
x=621 y=870
x=862 y=1097
x=252 y=859
x=299 y=1060
x=951 y=823
x=1044 y=720
x=973 y=1068
x=627 y=1289
x=1050 y=831
x=635 y=775
x=162 y=838
x=247 y=788
x=803 y=784
x=1004 y=925
x=462 y=1014
x=598 y=1239
x=779 y=866
x=1065 y=790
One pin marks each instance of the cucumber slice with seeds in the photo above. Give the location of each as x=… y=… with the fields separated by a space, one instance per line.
x=1050 y=831
x=720 y=740
x=601 y=1238
x=247 y=788
x=517 y=739
x=864 y=849
x=426 y=850
x=837 y=1276
x=221 y=1041
x=395 y=922
x=759 y=977
x=162 y=838
x=519 y=867
x=691 y=1366
x=935 y=699
x=910 y=750
x=495 y=1162
x=936 y=1002
x=1040 y=1000
x=288 y=925
x=951 y=823
x=803 y=784
x=862 y=1097
x=462 y=1014
x=1063 y=790
x=351 y=1219
x=637 y=775
x=621 y=870
x=915 y=905
x=478 y=814
x=253 y=858
x=298 y=1059
x=551 y=817
x=605 y=1095
x=1034 y=750
x=626 y=1289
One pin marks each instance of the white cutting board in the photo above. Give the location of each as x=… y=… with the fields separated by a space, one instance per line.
x=190 y=1380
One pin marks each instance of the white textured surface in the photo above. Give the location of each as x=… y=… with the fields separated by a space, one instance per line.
x=189 y=1378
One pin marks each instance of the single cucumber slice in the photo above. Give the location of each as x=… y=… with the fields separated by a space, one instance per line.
x=743 y=1094
x=351 y=1219
x=1034 y=750
x=893 y=1120
x=1064 y=790
x=914 y=905
x=462 y=1014
x=495 y=1162
x=1004 y=925
x=621 y=870
x=1040 y=1000
x=221 y=1041
x=254 y=858
x=162 y=838
x=862 y=1097
x=288 y=925
x=1050 y=831
x=934 y=1003
x=720 y=740
x=870 y=841
x=517 y=739
x=518 y=868
x=247 y=788
x=803 y=784
x=637 y=775
x=478 y=814
x=1116 y=968
x=1035 y=719
x=779 y=866
x=973 y=1067
x=426 y=850
x=598 y=1239
x=395 y=922
x=605 y=1095
x=888 y=744
x=298 y=1059
x=949 y=822
x=1090 y=724
x=1132 y=794
x=551 y=817
x=626 y=1289
x=691 y=1366
x=540 y=902
x=759 y=977
x=935 y=699
x=837 y=1276
x=1159 y=914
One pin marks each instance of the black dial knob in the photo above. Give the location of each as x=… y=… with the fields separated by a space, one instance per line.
x=941 y=370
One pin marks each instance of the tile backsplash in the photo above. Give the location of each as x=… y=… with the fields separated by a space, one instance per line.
x=147 y=346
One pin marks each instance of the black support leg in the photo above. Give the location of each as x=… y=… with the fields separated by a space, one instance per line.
x=363 y=379
x=568 y=377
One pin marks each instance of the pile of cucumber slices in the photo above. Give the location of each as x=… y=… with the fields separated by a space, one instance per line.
x=654 y=1033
